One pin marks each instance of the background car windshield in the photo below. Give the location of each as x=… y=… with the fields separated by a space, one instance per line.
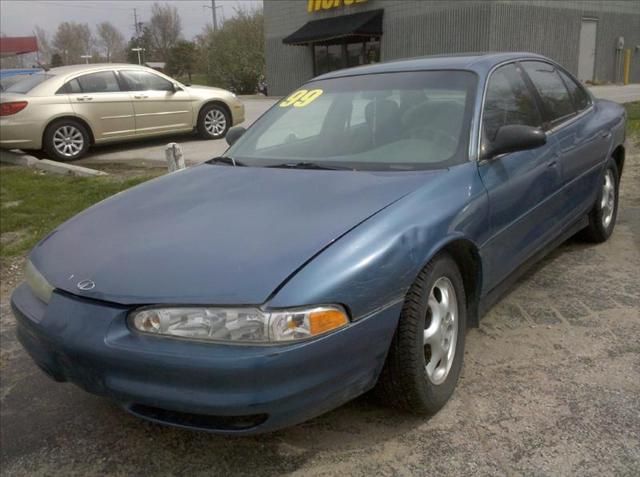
x=27 y=84
x=404 y=121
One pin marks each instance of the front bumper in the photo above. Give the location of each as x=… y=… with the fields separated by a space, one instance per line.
x=228 y=389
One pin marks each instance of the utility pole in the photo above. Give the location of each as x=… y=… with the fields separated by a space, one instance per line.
x=214 y=21
x=213 y=15
x=135 y=22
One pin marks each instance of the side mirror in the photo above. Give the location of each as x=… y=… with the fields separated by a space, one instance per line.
x=234 y=134
x=514 y=138
x=176 y=87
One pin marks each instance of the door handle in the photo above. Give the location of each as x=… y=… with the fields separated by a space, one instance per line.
x=85 y=98
x=140 y=96
x=605 y=134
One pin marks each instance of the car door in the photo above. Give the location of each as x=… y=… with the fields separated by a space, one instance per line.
x=572 y=122
x=99 y=99
x=521 y=186
x=158 y=106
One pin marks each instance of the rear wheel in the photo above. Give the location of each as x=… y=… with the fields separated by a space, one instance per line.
x=602 y=218
x=213 y=122
x=425 y=358
x=66 y=140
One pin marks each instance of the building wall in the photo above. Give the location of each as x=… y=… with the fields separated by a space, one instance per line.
x=416 y=28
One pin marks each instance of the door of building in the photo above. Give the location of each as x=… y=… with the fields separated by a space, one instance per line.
x=587 y=53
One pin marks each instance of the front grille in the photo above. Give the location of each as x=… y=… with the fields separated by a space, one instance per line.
x=198 y=421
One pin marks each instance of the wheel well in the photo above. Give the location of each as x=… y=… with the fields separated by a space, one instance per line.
x=468 y=260
x=217 y=103
x=73 y=118
x=618 y=156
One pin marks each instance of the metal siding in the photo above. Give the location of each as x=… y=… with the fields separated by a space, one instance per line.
x=416 y=28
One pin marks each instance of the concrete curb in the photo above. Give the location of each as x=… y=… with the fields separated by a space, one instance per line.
x=47 y=165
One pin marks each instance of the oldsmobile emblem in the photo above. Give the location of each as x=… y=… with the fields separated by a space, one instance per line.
x=86 y=285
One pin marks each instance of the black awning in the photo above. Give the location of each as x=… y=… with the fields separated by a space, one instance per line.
x=355 y=26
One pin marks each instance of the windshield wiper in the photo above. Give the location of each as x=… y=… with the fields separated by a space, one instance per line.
x=226 y=160
x=308 y=165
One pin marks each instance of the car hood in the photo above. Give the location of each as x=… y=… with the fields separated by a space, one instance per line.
x=208 y=90
x=212 y=234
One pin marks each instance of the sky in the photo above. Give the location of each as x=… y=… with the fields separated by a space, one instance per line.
x=18 y=17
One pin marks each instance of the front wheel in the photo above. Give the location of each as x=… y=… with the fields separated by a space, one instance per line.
x=602 y=218
x=425 y=357
x=213 y=122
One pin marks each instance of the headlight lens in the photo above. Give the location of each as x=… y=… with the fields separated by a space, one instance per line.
x=38 y=284
x=240 y=325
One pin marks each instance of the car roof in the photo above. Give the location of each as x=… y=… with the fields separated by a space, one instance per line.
x=480 y=63
x=71 y=69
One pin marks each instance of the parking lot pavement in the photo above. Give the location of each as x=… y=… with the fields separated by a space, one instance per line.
x=621 y=94
x=549 y=387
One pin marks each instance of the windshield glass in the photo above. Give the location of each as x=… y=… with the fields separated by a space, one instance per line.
x=28 y=83
x=402 y=121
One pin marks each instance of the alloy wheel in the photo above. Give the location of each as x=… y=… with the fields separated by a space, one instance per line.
x=608 y=201
x=215 y=122
x=441 y=330
x=68 y=141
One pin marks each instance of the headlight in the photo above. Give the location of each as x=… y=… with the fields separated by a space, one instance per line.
x=38 y=284
x=239 y=325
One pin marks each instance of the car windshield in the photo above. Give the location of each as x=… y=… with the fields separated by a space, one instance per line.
x=390 y=121
x=27 y=84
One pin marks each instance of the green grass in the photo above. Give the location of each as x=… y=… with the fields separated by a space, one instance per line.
x=633 y=120
x=32 y=204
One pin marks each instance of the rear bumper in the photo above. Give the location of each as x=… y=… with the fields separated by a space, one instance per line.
x=19 y=134
x=218 y=388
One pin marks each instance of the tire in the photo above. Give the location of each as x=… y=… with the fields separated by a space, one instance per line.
x=405 y=381
x=66 y=135
x=602 y=217
x=213 y=122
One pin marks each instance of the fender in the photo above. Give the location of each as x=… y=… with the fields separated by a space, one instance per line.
x=373 y=265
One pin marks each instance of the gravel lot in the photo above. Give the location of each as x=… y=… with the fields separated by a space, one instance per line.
x=551 y=386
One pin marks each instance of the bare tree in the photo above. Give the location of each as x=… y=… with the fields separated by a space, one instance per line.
x=72 y=40
x=165 y=29
x=110 y=40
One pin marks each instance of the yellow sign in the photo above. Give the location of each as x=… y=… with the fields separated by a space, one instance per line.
x=317 y=5
x=301 y=98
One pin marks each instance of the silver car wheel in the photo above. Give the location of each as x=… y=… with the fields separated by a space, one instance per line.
x=68 y=141
x=215 y=122
x=608 y=200
x=441 y=330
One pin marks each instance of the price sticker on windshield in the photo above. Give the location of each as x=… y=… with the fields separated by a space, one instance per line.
x=301 y=98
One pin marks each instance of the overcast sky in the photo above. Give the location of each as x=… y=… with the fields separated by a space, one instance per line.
x=18 y=17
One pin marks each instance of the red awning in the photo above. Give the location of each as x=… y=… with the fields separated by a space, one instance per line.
x=17 y=45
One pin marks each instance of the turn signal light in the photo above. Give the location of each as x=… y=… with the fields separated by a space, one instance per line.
x=326 y=320
x=7 y=109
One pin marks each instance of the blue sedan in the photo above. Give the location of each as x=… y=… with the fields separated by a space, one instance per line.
x=345 y=242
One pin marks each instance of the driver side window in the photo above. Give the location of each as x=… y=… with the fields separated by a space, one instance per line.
x=508 y=102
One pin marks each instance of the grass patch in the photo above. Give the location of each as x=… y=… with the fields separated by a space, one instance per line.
x=633 y=120
x=32 y=204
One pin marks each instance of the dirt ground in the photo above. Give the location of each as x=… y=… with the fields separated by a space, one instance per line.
x=550 y=386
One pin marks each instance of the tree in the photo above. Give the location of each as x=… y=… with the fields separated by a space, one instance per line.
x=56 y=60
x=236 y=51
x=110 y=40
x=143 y=41
x=182 y=59
x=165 y=29
x=71 y=41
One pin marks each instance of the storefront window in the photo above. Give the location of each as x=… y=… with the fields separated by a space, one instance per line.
x=345 y=55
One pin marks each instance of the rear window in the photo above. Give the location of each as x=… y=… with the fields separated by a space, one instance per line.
x=29 y=83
